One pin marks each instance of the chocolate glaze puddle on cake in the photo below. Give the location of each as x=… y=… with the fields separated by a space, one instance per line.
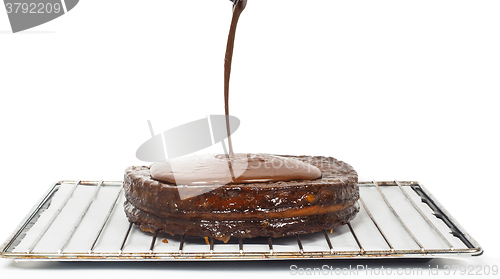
x=211 y=169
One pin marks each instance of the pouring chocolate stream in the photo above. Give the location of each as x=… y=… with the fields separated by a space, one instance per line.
x=238 y=7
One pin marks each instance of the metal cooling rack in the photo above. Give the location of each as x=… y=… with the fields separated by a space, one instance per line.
x=84 y=221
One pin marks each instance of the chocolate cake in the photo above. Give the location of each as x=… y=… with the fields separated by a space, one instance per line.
x=240 y=195
x=245 y=210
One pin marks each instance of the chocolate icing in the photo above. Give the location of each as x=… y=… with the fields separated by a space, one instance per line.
x=247 y=168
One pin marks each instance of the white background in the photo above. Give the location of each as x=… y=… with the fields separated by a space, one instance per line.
x=402 y=90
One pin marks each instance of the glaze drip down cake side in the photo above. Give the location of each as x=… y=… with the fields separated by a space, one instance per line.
x=245 y=210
